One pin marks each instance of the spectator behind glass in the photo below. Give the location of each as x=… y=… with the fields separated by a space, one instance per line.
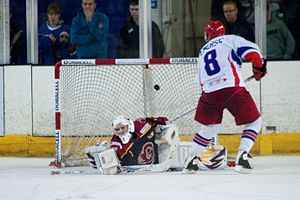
x=54 y=42
x=89 y=31
x=292 y=14
x=15 y=35
x=280 y=42
x=235 y=23
x=128 y=46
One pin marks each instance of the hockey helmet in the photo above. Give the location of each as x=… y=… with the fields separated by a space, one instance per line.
x=123 y=127
x=213 y=29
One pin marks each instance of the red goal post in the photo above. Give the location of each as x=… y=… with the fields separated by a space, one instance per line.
x=90 y=93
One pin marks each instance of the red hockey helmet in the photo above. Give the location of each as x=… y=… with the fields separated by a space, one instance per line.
x=213 y=29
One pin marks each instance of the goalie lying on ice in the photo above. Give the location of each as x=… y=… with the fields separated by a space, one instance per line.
x=134 y=143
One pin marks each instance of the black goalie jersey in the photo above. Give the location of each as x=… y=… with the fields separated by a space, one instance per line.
x=141 y=149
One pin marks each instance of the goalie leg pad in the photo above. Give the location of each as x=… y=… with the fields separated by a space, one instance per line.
x=170 y=133
x=92 y=161
x=183 y=151
x=215 y=157
x=167 y=146
x=169 y=142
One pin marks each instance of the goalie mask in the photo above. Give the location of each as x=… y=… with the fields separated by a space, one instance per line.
x=213 y=29
x=123 y=127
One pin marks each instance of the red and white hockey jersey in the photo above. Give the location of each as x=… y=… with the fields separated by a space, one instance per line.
x=220 y=61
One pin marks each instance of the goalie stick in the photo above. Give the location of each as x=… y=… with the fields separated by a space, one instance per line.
x=57 y=172
x=121 y=170
x=135 y=169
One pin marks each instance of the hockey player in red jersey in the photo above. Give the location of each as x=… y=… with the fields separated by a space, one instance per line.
x=223 y=87
x=134 y=143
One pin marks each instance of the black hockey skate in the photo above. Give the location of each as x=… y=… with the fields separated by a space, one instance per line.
x=191 y=164
x=242 y=163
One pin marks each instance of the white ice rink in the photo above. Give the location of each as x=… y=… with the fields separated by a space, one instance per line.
x=273 y=178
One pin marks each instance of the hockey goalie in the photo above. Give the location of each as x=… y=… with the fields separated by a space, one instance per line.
x=148 y=144
x=134 y=146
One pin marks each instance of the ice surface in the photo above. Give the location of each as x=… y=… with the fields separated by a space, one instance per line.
x=273 y=178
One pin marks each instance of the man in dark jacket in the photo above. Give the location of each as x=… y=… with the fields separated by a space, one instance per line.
x=236 y=24
x=128 y=46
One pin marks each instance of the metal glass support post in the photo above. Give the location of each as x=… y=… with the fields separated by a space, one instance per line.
x=32 y=31
x=260 y=25
x=145 y=28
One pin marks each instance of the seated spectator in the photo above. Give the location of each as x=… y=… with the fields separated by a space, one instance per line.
x=280 y=42
x=89 y=31
x=128 y=46
x=235 y=23
x=54 y=42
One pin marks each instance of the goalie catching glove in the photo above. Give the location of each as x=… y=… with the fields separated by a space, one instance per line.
x=260 y=72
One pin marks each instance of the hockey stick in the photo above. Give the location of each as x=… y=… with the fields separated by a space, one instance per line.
x=162 y=167
x=57 y=172
x=182 y=115
x=249 y=78
x=15 y=39
x=122 y=170
x=75 y=170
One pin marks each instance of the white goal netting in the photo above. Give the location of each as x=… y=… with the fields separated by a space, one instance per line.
x=91 y=93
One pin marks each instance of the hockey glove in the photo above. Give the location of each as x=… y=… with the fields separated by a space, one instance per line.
x=260 y=72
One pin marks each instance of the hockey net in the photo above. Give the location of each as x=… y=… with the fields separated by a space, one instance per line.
x=89 y=94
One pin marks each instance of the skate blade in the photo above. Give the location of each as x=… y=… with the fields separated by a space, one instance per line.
x=242 y=170
x=187 y=171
